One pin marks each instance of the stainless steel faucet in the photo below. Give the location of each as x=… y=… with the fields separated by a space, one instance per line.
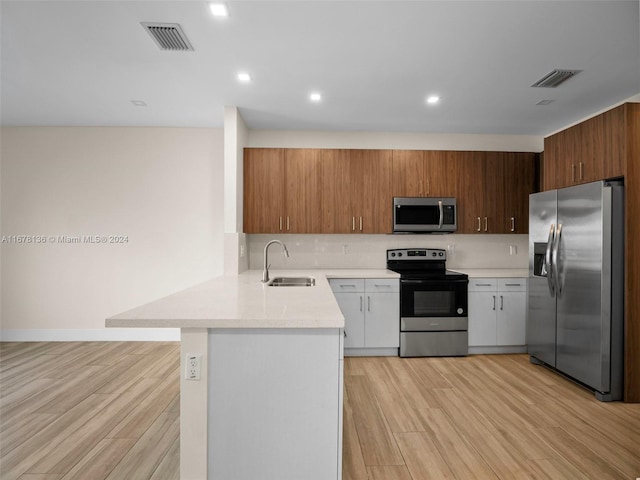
x=265 y=270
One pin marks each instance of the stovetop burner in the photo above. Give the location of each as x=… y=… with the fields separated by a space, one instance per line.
x=421 y=263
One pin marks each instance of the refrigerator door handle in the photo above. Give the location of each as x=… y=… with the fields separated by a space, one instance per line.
x=548 y=259
x=554 y=260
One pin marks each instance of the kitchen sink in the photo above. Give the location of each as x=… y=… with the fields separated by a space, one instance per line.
x=292 y=282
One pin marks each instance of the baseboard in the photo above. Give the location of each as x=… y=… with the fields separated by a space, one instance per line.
x=92 y=335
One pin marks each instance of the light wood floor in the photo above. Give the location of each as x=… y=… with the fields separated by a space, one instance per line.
x=89 y=411
x=110 y=410
x=481 y=417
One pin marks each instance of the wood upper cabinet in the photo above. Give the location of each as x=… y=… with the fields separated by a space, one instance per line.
x=264 y=187
x=302 y=190
x=519 y=183
x=356 y=191
x=281 y=190
x=351 y=191
x=493 y=191
x=372 y=200
x=480 y=192
x=589 y=151
x=422 y=173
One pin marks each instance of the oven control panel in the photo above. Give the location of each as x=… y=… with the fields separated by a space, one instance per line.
x=424 y=254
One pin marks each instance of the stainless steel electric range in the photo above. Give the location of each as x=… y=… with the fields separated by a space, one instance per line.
x=433 y=303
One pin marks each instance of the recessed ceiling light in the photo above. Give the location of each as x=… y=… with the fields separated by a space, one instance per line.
x=139 y=103
x=315 y=97
x=244 y=77
x=433 y=99
x=219 y=9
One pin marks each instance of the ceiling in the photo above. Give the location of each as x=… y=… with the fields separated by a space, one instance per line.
x=374 y=62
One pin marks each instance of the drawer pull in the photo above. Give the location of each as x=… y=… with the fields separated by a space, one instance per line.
x=343 y=285
x=381 y=286
x=483 y=285
x=512 y=284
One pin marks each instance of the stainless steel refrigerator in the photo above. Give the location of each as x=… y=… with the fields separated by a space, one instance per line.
x=576 y=279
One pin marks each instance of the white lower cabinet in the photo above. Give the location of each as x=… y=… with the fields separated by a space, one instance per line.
x=371 y=308
x=497 y=313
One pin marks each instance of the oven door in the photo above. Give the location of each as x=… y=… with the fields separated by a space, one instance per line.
x=433 y=304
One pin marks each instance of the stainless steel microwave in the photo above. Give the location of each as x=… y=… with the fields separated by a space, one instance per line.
x=424 y=215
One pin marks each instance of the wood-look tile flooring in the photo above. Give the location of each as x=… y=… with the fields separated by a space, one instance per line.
x=480 y=417
x=110 y=410
x=89 y=411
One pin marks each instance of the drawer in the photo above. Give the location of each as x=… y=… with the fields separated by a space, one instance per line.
x=512 y=284
x=483 y=285
x=347 y=284
x=381 y=285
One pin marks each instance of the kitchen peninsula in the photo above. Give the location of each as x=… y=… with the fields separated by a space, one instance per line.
x=269 y=400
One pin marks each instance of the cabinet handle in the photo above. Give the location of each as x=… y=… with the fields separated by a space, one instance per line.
x=513 y=224
x=494 y=302
x=360 y=223
x=280 y=223
x=580 y=172
x=353 y=224
x=486 y=224
x=512 y=284
x=287 y=223
x=483 y=284
x=360 y=302
x=368 y=303
x=573 y=173
x=381 y=286
x=345 y=333
x=344 y=285
x=501 y=302
x=479 y=223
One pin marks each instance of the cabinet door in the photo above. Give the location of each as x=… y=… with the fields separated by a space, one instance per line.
x=550 y=163
x=614 y=138
x=493 y=192
x=440 y=174
x=482 y=318
x=382 y=324
x=590 y=165
x=470 y=187
x=335 y=211
x=519 y=173
x=371 y=197
x=511 y=319
x=408 y=173
x=302 y=192
x=352 y=307
x=263 y=190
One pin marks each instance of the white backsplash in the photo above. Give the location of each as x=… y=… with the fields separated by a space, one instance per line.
x=368 y=251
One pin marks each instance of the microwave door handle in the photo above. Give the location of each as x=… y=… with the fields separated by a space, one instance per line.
x=441 y=213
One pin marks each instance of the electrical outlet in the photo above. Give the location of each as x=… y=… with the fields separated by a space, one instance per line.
x=513 y=249
x=192 y=366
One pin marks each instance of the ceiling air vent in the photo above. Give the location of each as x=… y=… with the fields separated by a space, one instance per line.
x=555 y=78
x=168 y=36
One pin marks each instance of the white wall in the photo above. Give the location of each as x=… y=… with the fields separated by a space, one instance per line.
x=162 y=188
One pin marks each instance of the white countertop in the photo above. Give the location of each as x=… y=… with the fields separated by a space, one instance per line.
x=243 y=301
x=494 y=272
